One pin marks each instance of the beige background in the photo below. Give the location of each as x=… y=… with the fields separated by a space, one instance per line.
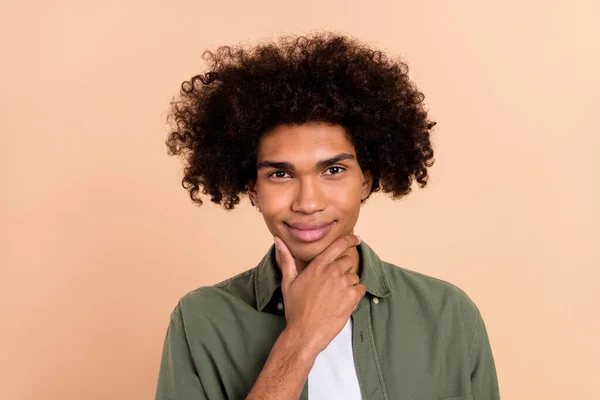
x=98 y=240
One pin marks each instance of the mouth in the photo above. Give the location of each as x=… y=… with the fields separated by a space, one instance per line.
x=309 y=232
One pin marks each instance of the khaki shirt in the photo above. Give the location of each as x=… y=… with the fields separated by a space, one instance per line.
x=414 y=337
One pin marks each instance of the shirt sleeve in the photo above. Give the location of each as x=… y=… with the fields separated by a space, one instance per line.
x=178 y=377
x=484 y=380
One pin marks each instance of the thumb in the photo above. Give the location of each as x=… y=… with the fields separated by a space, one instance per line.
x=286 y=263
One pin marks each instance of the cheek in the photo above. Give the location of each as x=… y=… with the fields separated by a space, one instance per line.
x=346 y=198
x=349 y=210
x=346 y=207
x=273 y=202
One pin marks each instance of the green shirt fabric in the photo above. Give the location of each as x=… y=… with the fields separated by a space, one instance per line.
x=414 y=337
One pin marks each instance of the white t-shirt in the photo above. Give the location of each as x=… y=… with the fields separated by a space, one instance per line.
x=333 y=375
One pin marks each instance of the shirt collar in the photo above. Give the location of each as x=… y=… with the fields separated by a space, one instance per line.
x=268 y=276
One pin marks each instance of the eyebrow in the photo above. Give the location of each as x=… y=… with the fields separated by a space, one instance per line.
x=319 y=165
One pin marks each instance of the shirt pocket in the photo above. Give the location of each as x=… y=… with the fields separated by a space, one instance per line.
x=467 y=397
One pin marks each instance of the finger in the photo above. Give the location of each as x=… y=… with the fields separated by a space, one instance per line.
x=286 y=263
x=360 y=289
x=335 y=249
x=352 y=279
x=344 y=264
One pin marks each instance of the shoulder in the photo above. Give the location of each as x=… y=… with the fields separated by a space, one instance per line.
x=232 y=293
x=436 y=297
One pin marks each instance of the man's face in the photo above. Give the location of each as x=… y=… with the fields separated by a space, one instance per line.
x=309 y=186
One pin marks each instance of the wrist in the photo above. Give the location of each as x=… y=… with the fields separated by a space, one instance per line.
x=299 y=344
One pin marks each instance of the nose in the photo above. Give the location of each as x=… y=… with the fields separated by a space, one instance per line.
x=309 y=197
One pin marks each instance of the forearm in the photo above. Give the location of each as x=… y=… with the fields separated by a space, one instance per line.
x=285 y=370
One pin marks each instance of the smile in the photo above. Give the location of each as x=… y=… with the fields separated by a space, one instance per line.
x=309 y=232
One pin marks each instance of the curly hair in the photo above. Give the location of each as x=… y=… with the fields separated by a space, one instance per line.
x=219 y=117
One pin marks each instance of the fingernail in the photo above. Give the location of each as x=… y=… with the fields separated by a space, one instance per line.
x=358 y=237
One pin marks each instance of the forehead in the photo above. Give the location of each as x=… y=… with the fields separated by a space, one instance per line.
x=310 y=141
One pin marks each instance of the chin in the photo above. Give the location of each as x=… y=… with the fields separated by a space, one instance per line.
x=307 y=251
x=304 y=255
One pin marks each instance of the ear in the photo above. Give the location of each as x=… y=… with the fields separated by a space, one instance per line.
x=252 y=192
x=366 y=185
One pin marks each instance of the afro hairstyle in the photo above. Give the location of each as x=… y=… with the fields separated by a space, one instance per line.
x=219 y=116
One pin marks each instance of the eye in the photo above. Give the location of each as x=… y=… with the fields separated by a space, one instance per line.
x=277 y=174
x=335 y=170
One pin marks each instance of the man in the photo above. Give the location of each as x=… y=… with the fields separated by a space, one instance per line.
x=308 y=128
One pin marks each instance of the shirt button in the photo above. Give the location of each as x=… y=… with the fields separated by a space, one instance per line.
x=375 y=300
x=280 y=306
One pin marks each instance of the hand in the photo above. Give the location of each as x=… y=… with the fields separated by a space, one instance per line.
x=320 y=300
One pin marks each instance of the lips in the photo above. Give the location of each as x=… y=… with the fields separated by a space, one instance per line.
x=309 y=232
